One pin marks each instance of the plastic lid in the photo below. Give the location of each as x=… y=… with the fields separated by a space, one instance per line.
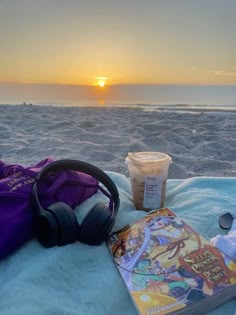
x=148 y=157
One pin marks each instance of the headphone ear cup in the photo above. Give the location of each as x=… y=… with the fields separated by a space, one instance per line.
x=47 y=229
x=96 y=225
x=105 y=231
x=68 y=227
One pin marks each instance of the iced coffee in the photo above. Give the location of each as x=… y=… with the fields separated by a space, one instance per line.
x=148 y=174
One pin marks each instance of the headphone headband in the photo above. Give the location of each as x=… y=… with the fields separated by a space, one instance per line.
x=80 y=166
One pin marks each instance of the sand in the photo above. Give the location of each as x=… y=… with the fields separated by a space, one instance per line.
x=201 y=143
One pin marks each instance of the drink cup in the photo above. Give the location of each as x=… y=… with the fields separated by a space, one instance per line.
x=148 y=174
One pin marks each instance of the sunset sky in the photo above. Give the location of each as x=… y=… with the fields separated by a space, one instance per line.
x=126 y=41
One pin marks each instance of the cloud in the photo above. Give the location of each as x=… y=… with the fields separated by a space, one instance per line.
x=225 y=72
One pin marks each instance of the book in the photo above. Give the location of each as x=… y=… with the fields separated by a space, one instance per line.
x=169 y=268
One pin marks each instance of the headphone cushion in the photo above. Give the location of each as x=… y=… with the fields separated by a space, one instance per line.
x=96 y=224
x=105 y=231
x=47 y=229
x=68 y=227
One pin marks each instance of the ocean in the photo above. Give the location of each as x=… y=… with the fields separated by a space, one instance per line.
x=221 y=97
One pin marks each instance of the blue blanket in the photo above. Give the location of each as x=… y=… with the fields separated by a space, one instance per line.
x=81 y=279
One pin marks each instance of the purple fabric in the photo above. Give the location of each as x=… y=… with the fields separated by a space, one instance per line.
x=16 y=183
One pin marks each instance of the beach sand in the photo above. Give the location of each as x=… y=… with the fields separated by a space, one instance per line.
x=201 y=143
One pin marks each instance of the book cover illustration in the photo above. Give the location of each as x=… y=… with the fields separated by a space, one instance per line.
x=166 y=265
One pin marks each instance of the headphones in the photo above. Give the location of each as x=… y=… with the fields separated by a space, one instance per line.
x=58 y=225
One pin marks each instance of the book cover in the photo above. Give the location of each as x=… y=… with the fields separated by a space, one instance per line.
x=168 y=268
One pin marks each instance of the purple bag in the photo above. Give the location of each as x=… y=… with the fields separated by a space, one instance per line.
x=16 y=181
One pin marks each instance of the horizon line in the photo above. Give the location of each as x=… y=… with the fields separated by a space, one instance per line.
x=116 y=85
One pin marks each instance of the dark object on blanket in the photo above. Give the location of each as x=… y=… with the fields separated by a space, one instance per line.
x=226 y=220
x=57 y=224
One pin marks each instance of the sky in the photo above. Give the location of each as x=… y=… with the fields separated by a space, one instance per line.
x=126 y=41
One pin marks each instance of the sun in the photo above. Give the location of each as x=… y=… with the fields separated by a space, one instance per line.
x=101 y=81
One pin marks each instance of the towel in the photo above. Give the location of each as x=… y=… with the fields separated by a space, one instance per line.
x=81 y=279
x=227 y=243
